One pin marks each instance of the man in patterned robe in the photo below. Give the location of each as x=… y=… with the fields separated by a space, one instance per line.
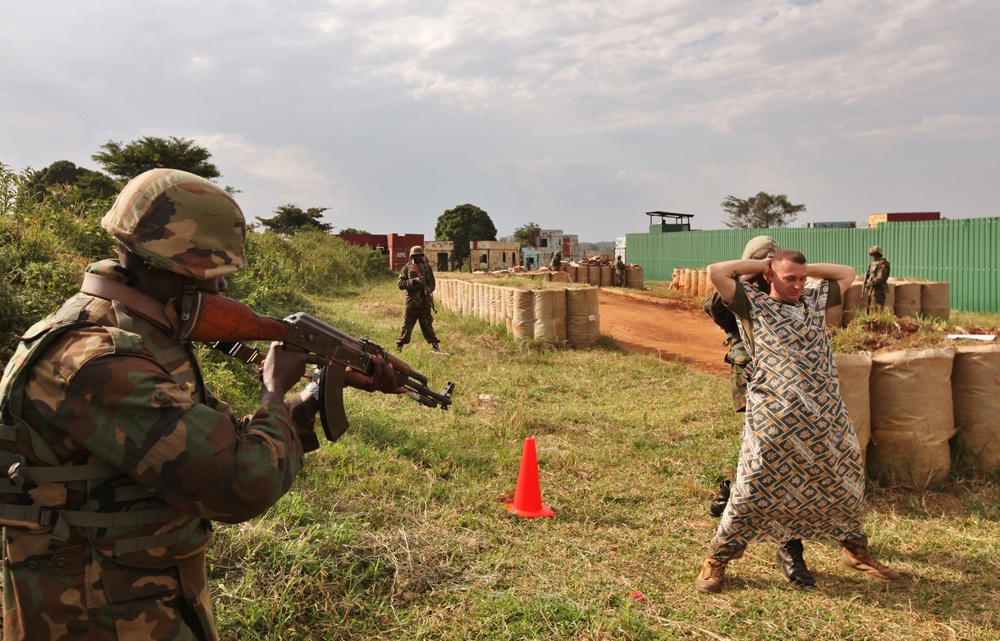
x=799 y=473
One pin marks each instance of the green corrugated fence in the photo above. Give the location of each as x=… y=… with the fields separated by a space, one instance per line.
x=964 y=253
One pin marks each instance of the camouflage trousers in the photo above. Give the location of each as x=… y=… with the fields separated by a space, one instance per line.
x=415 y=314
x=876 y=296
x=738 y=359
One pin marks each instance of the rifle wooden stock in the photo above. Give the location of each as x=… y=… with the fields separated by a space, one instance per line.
x=226 y=324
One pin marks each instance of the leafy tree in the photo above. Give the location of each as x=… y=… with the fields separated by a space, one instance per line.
x=150 y=152
x=760 y=211
x=290 y=219
x=69 y=181
x=462 y=224
x=353 y=232
x=527 y=234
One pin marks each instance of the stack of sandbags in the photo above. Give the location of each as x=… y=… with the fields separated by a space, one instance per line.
x=912 y=416
x=855 y=377
x=906 y=301
x=935 y=300
x=634 y=277
x=975 y=385
x=583 y=316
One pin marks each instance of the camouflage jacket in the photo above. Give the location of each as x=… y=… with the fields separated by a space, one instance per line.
x=738 y=357
x=124 y=458
x=417 y=295
x=877 y=275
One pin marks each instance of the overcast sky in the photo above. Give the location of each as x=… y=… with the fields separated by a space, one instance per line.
x=576 y=115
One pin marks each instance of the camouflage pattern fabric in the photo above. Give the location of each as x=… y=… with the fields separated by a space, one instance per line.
x=160 y=216
x=619 y=273
x=419 y=301
x=876 y=283
x=799 y=473
x=115 y=391
x=738 y=357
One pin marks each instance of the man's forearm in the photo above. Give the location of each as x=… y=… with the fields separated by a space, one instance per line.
x=830 y=271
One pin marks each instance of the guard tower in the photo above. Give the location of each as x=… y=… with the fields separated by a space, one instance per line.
x=678 y=222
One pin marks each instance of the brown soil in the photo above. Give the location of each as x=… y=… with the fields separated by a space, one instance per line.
x=674 y=329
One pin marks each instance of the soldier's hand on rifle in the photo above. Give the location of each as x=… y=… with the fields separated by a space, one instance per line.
x=283 y=368
x=383 y=378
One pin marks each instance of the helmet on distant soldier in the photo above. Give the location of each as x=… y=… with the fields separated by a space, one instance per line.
x=180 y=222
x=416 y=250
x=759 y=247
x=875 y=251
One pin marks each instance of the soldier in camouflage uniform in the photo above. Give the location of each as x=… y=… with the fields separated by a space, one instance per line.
x=619 y=272
x=417 y=279
x=789 y=554
x=876 y=284
x=114 y=457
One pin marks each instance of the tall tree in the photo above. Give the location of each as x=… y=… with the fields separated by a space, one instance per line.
x=761 y=211
x=150 y=152
x=290 y=219
x=463 y=224
x=78 y=183
x=527 y=234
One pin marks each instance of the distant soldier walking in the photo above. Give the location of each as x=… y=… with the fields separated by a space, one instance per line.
x=876 y=284
x=417 y=279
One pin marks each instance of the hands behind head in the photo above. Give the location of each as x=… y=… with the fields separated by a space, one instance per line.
x=383 y=378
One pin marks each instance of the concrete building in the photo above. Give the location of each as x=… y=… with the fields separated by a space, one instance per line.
x=548 y=242
x=441 y=254
x=493 y=255
x=395 y=246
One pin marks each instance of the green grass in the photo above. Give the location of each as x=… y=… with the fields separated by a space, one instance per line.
x=400 y=530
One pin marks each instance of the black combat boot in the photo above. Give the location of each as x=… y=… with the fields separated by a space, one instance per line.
x=719 y=502
x=793 y=565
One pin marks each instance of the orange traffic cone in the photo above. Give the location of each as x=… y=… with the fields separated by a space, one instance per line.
x=528 y=495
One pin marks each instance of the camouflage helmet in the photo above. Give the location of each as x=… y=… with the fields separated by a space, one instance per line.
x=180 y=222
x=416 y=250
x=875 y=251
x=759 y=247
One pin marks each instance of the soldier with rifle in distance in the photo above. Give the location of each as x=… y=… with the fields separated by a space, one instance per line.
x=417 y=280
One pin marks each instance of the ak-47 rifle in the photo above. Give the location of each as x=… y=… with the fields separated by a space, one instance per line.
x=225 y=324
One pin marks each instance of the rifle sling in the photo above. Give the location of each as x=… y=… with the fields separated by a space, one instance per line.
x=131 y=298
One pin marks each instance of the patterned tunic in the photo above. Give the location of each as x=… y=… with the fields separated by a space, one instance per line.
x=799 y=473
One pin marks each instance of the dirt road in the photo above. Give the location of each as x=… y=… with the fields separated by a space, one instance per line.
x=673 y=329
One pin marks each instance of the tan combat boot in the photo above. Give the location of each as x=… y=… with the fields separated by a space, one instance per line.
x=860 y=558
x=710 y=579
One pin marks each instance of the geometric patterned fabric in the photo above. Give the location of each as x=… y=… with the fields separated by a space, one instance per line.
x=799 y=473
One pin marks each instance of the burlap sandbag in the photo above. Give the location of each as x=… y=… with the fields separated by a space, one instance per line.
x=702 y=283
x=559 y=314
x=560 y=277
x=855 y=376
x=852 y=303
x=594 y=275
x=634 y=278
x=935 y=300
x=890 y=298
x=571 y=270
x=906 y=301
x=689 y=280
x=583 y=316
x=524 y=314
x=607 y=275
x=975 y=386
x=545 y=327
x=912 y=416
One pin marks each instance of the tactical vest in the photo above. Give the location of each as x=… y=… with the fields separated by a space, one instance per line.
x=33 y=497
